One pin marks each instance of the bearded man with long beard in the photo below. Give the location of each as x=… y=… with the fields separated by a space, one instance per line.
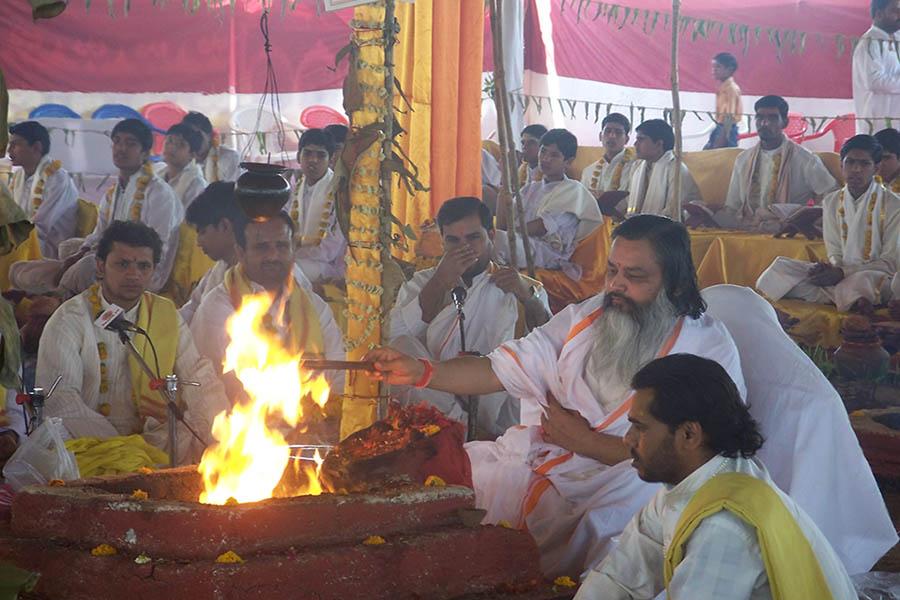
x=564 y=474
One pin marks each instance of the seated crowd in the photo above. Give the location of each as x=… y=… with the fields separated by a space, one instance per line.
x=582 y=413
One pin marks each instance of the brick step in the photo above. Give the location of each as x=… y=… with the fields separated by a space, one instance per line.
x=436 y=565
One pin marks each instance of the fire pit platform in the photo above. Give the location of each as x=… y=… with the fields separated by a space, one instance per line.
x=301 y=547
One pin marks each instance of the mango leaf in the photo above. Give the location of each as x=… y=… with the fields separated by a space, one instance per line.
x=627 y=14
x=841 y=44
x=599 y=11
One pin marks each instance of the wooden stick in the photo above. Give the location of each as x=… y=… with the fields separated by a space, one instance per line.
x=318 y=364
x=676 y=108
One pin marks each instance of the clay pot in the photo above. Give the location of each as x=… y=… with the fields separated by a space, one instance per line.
x=867 y=360
x=262 y=190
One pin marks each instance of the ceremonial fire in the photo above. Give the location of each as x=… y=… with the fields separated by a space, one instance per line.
x=251 y=454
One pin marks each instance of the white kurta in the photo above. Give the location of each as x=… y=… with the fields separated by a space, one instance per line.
x=869 y=278
x=226 y=168
x=208 y=327
x=207 y=283
x=588 y=503
x=56 y=217
x=490 y=170
x=69 y=348
x=801 y=176
x=490 y=319
x=317 y=256
x=188 y=184
x=722 y=558
x=876 y=75
x=655 y=194
x=603 y=181
x=809 y=443
x=569 y=213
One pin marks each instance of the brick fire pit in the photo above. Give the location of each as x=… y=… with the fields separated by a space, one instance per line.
x=302 y=547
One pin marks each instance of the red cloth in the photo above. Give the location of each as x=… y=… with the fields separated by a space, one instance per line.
x=450 y=461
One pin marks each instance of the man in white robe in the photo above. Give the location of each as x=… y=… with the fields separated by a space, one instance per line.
x=559 y=212
x=861 y=226
x=562 y=474
x=652 y=190
x=42 y=188
x=97 y=395
x=889 y=169
x=182 y=172
x=720 y=528
x=530 y=169
x=138 y=195
x=612 y=173
x=809 y=443
x=499 y=305
x=876 y=64
x=320 y=244
x=490 y=170
x=776 y=171
x=218 y=162
x=265 y=265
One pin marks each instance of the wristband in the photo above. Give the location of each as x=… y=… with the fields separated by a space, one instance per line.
x=426 y=376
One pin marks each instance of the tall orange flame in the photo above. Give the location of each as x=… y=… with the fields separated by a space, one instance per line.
x=250 y=455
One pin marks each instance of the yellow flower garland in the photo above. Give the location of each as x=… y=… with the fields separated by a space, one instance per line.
x=139 y=194
x=37 y=197
x=870 y=215
x=616 y=182
x=324 y=219
x=96 y=308
x=214 y=155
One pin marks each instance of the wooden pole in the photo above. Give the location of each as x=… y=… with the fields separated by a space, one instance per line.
x=676 y=107
x=509 y=177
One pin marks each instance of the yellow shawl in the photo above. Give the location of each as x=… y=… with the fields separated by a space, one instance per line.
x=299 y=313
x=791 y=564
x=159 y=318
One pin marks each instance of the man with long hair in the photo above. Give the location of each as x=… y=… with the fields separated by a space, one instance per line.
x=561 y=474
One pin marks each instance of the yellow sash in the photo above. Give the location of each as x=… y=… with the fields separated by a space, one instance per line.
x=791 y=564
x=303 y=322
x=159 y=318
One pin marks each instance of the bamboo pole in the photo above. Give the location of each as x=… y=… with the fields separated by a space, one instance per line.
x=676 y=106
x=509 y=177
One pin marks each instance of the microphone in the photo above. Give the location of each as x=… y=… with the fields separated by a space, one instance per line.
x=458 y=294
x=113 y=319
x=120 y=324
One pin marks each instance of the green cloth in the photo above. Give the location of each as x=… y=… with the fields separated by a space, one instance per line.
x=14 y=224
x=10 y=348
x=4 y=114
x=14 y=580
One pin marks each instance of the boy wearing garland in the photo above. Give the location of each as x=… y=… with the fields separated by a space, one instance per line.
x=218 y=162
x=42 y=188
x=181 y=171
x=612 y=173
x=138 y=195
x=103 y=392
x=319 y=242
x=861 y=225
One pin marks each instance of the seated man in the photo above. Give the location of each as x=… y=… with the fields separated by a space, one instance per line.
x=530 y=170
x=861 y=224
x=218 y=162
x=103 y=392
x=720 y=528
x=500 y=304
x=42 y=188
x=182 y=172
x=215 y=215
x=653 y=178
x=338 y=133
x=138 y=195
x=775 y=171
x=612 y=173
x=559 y=212
x=889 y=169
x=265 y=264
x=320 y=243
x=563 y=475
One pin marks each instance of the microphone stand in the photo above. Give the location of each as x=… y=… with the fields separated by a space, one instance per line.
x=458 y=294
x=169 y=393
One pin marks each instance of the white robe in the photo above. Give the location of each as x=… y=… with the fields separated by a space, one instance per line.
x=809 y=446
x=490 y=319
x=213 y=277
x=69 y=348
x=722 y=557
x=807 y=177
x=160 y=210
x=318 y=258
x=876 y=75
x=188 y=184
x=228 y=167
x=588 y=503
x=658 y=196
x=208 y=327
x=57 y=215
x=870 y=279
x=604 y=182
x=569 y=213
x=490 y=170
